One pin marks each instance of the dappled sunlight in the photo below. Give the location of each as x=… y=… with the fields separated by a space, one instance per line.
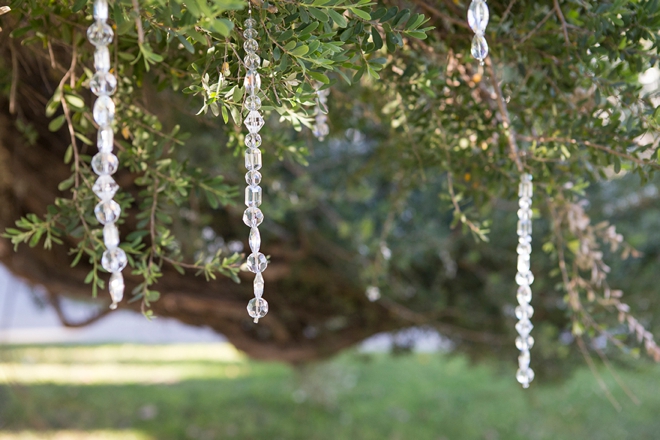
x=74 y=435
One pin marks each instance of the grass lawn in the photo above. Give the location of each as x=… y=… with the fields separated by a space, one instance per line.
x=212 y=392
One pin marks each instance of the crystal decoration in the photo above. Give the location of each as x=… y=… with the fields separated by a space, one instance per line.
x=254 y=121
x=320 y=129
x=104 y=84
x=478 y=20
x=114 y=260
x=524 y=279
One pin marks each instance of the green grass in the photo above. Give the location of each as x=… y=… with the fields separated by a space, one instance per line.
x=212 y=392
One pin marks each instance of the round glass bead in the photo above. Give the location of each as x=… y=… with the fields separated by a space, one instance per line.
x=524 y=327
x=253 y=103
x=524 y=343
x=251 y=45
x=104 y=111
x=100 y=34
x=250 y=23
x=524 y=249
x=107 y=212
x=103 y=83
x=525 y=376
x=257 y=262
x=250 y=33
x=105 y=164
x=524 y=312
x=257 y=308
x=524 y=279
x=253 y=217
x=105 y=187
x=253 y=177
x=114 y=260
x=524 y=294
x=253 y=140
x=252 y=61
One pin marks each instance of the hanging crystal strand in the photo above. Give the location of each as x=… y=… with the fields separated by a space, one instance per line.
x=524 y=278
x=478 y=20
x=104 y=84
x=320 y=128
x=256 y=261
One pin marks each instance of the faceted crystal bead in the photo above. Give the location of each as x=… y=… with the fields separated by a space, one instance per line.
x=524 y=214
x=254 y=121
x=257 y=262
x=116 y=287
x=110 y=236
x=253 y=140
x=524 y=312
x=250 y=23
x=253 y=177
x=105 y=164
x=103 y=83
x=104 y=111
x=102 y=59
x=253 y=217
x=100 y=10
x=258 y=285
x=100 y=34
x=105 y=139
x=524 y=327
x=252 y=81
x=251 y=45
x=525 y=377
x=523 y=359
x=524 y=249
x=105 y=187
x=253 y=159
x=524 y=343
x=321 y=130
x=524 y=294
x=479 y=47
x=107 y=212
x=525 y=202
x=523 y=264
x=114 y=260
x=252 y=102
x=257 y=308
x=252 y=61
x=255 y=239
x=250 y=33
x=478 y=16
x=525 y=189
x=252 y=195
x=524 y=228
x=524 y=279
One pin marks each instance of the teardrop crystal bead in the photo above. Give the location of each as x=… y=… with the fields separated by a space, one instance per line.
x=116 y=288
x=259 y=285
x=479 y=47
x=104 y=111
x=255 y=239
x=478 y=16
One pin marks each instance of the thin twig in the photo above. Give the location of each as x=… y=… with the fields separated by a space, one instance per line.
x=563 y=22
x=138 y=23
x=538 y=26
x=617 y=378
x=599 y=379
x=14 y=78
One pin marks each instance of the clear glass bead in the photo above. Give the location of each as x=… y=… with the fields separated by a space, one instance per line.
x=100 y=10
x=523 y=360
x=253 y=217
x=252 y=102
x=524 y=294
x=524 y=343
x=524 y=327
x=478 y=16
x=523 y=264
x=524 y=214
x=254 y=121
x=250 y=23
x=116 y=288
x=104 y=111
x=250 y=33
x=525 y=189
x=524 y=228
x=525 y=203
x=524 y=249
x=258 y=285
x=102 y=59
x=253 y=140
x=525 y=377
x=100 y=34
x=105 y=187
x=252 y=61
x=257 y=262
x=103 y=83
x=524 y=312
x=252 y=81
x=107 y=212
x=253 y=159
x=105 y=139
x=257 y=308
x=253 y=195
x=524 y=279
x=110 y=236
x=251 y=45
x=253 y=177
x=105 y=164
x=479 y=47
x=321 y=130
x=255 y=239
x=114 y=260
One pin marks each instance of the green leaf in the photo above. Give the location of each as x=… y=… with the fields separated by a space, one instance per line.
x=318 y=14
x=300 y=50
x=362 y=14
x=377 y=39
x=56 y=123
x=338 y=18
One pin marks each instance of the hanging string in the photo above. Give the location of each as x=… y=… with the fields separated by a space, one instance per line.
x=254 y=121
x=104 y=84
